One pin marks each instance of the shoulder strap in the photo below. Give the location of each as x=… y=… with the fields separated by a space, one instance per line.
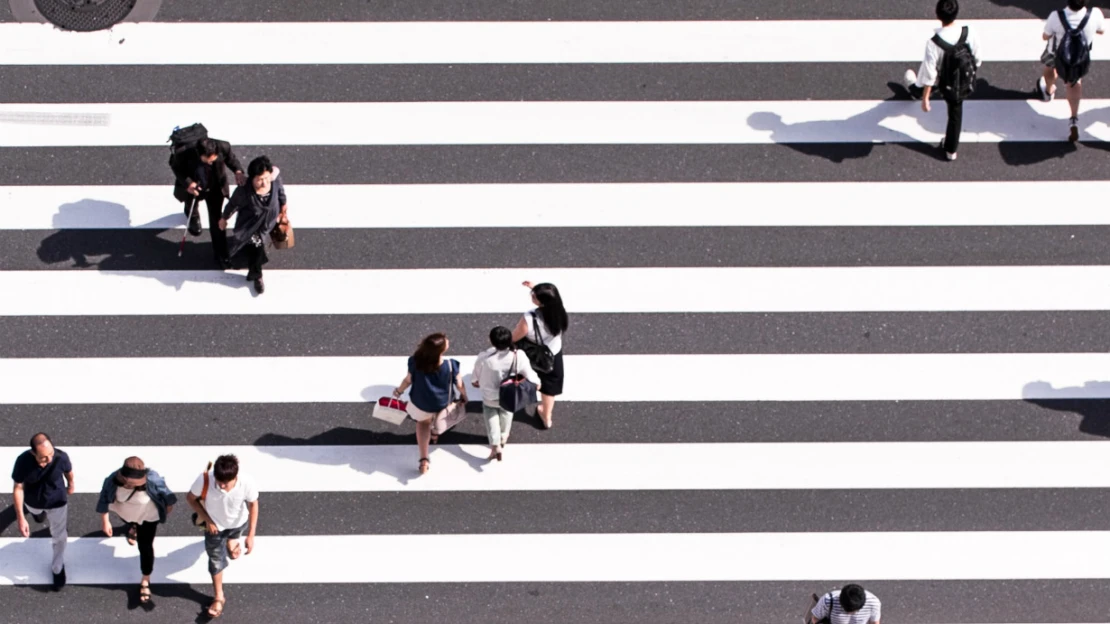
x=1064 y=21
x=944 y=45
x=1083 y=23
x=536 y=328
x=204 y=490
x=963 y=37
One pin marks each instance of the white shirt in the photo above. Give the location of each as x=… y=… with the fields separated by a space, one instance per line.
x=868 y=613
x=493 y=366
x=134 y=506
x=927 y=74
x=1053 y=28
x=227 y=509
x=555 y=343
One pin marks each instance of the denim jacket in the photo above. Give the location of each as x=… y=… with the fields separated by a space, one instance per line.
x=156 y=488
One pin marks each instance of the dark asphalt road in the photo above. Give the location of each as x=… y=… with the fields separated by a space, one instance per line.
x=687 y=421
x=574 y=10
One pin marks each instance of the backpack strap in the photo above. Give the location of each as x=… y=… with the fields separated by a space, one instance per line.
x=1067 y=26
x=963 y=37
x=942 y=44
x=1083 y=22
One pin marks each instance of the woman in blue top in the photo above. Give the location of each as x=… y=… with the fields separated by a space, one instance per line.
x=430 y=377
x=139 y=496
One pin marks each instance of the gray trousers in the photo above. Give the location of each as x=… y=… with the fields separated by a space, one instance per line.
x=58 y=520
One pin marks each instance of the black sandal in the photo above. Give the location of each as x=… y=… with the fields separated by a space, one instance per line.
x=132 y=534
x=421 y=467
x=144 y=593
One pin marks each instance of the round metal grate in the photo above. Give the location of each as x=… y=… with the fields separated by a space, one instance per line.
x=85 y=15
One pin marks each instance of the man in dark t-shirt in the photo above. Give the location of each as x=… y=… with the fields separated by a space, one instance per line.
x=43 y=479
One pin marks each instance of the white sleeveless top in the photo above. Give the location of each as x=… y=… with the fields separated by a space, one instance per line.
x=555 y=343
x=134 y=506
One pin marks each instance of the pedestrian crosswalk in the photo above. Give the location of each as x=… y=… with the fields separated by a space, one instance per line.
x=804 y=350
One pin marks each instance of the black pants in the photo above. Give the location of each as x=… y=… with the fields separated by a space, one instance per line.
x=955 y=120
x=256 y=257
x=955 y=125
x=145 y=539
x=215 y=202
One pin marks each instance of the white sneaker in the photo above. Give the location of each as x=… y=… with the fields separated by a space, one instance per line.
x=1042 y=90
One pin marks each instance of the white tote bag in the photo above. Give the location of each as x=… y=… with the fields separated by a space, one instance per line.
x=391 y=410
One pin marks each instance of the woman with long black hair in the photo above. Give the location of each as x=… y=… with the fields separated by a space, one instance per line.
x=545 y=325
x=431 y=377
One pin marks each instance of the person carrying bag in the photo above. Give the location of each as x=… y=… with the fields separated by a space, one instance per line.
x=433 y=403
x=508 y=384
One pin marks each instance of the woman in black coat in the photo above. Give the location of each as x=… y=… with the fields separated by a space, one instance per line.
x=259 y=205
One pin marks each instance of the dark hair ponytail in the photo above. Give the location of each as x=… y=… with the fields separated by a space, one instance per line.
x=551 y=308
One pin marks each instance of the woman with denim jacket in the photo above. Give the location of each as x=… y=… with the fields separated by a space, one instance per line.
x=139 y=496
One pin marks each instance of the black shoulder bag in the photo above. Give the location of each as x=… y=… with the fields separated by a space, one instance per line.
x=541 y=357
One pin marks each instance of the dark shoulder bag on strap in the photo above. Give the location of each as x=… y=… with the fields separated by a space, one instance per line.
x=541 y=357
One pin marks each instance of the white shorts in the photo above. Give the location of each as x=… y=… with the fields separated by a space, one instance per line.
x=418 y=414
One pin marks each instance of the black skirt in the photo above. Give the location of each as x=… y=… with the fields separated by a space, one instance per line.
x=551 y=384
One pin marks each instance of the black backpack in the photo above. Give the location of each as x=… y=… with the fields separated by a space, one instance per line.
x=183 y=139
x=1073 y=54
x=957 y=68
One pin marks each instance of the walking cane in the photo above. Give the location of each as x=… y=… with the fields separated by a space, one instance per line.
x=193 y=211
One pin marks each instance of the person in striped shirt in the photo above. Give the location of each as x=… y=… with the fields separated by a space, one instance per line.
x=850 y=605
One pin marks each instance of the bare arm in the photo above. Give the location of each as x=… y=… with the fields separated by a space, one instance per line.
x=521 y=329
x=69 y=480
x=405 y=383
x=252 y=508
x=195 y=503
x=17 y=500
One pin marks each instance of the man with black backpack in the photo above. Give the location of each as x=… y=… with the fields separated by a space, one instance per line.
x=198 y=165
x=951 y=62
x=1069 y=33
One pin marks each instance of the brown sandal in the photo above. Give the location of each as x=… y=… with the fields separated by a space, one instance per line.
x=216 y=609
x=234 y=549
x=425 y=465
x=132 y=534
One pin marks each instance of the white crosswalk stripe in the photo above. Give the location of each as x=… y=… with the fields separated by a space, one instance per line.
x=866 y=402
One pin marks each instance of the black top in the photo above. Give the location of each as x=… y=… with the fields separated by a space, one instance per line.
x=188 y=167
x=258 y=214
x=43 y=487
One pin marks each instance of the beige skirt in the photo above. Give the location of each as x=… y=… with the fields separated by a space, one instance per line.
x=420 y=415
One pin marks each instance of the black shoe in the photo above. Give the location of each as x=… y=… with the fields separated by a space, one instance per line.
x=259 y=286
x=39 y=517
x=60 y=579
x=224 y=263
x=194 y=227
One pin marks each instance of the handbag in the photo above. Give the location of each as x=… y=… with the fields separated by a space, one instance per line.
x=282 y=234
x=391 y=410
x=202 y=498
x=543 y=361
x=517 y=392
x=455 y=412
